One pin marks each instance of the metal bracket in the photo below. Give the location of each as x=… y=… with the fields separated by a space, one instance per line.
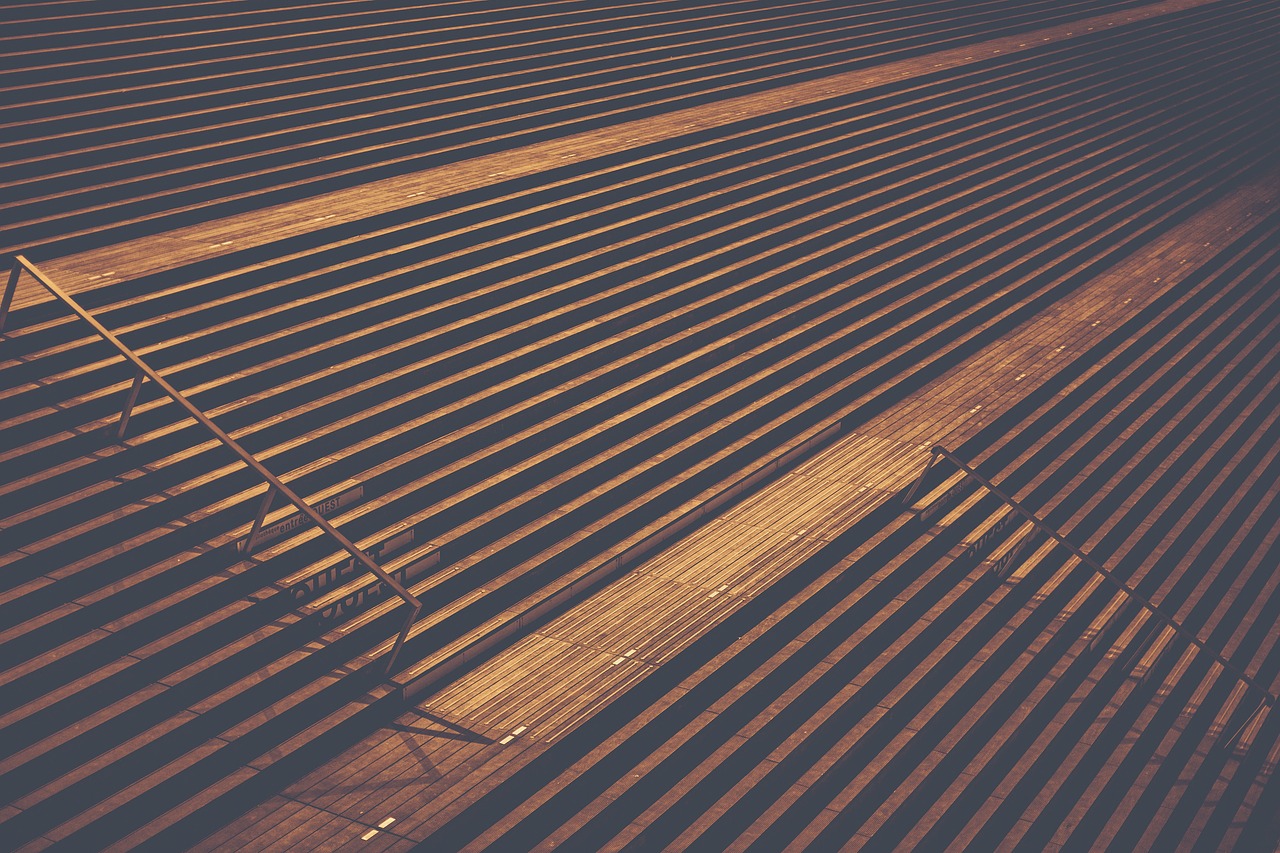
x=263 y=509
x=915 y=487
x=9 y=290
x=130 y=401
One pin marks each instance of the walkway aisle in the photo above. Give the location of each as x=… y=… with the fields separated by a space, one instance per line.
x=406 y=780
x=110 y=265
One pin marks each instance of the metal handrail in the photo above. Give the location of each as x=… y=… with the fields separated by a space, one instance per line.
x=1268 y=698
x=274 y=483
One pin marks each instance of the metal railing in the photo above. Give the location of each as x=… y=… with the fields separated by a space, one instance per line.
x=1268 y=698
x=274 y=484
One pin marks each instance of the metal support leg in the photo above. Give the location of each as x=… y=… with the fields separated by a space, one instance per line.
x=263 y=509
x=127 y=411
x=915 y=487
x=9 y=290
x=404 y=635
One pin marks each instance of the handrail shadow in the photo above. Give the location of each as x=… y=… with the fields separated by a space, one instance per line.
x=1268 y=698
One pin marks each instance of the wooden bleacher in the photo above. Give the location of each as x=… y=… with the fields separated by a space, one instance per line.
x=964 y=710
x=139 y=121
x=499 y=390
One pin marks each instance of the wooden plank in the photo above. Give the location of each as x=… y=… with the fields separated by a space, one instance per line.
x=61 y=692
x=157 y=825
x=301 y=739
x=257 y=821
x=88 y=723
x=94 y=810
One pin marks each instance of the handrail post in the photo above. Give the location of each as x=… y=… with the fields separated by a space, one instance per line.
x=263 y=509
x=9 y=290
x=127 y=411
x=402 y=637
